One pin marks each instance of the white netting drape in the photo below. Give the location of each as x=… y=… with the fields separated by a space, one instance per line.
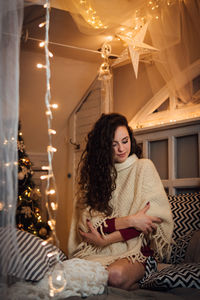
x=173 y=29
x=176 y=34
x=11 y=17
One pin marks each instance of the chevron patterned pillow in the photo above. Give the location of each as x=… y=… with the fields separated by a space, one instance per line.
x=183 y=275
x=186 y=216
x=27 y=256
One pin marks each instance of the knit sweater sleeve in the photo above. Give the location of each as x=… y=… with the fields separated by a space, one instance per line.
x=127 y=233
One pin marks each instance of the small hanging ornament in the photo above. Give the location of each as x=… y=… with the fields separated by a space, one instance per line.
x=20 y=226
x=26 y=211
x=25 y=170
x=20 y=146
x=105 y=51
x=43 y=232
x=20 y=175
x=104 y=72
x=35 y=194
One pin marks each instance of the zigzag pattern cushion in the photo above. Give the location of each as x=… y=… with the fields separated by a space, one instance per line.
x=186 y=215
x=183 y=275
x=25 y=256
x=179 y=249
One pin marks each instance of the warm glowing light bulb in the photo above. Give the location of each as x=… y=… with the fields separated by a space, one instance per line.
x=109 y=38
x=52 y=131
x=53 y=205
x=40 y=66
x=45 y=176
x=51 y=224
x=51 y=149
x=51 y=192
x=54 y=105
x=48 y=112
x=45 y=168
x=59 y=278
x=50 y=254
x=50 y=54
x=42 y=24
x=41 y=44
x=46 y=5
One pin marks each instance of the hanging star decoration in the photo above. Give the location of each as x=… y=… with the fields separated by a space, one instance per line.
x=136 y=46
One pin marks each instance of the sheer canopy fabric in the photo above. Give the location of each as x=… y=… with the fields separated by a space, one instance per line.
x=11 y=17
x=173 y=29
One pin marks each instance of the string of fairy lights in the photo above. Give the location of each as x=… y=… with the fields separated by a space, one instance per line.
x=57 y=277
x=91 y=15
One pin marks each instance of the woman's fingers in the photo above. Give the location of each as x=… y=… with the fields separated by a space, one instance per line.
x=156 y=220
x=94 y=239
x=87 y=236
x=145 y=209
x=90 y=226
x=153 y=226
x=84 y=234
x=93 y=236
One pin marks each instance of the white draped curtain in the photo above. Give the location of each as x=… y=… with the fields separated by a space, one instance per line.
x=11 y=17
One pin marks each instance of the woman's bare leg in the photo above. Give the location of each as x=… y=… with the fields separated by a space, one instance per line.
x=124 y=274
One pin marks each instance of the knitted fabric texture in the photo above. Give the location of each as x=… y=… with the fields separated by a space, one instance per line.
x=137 y=183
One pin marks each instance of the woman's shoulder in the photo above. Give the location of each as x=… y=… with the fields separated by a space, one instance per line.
x=145 y=163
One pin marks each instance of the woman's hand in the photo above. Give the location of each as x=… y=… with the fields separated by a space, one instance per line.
x=141 y=221
x=95 y=238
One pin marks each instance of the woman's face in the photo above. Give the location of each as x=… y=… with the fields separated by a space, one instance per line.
x=121 y=144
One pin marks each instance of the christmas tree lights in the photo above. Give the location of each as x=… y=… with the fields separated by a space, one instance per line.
x=28 y=214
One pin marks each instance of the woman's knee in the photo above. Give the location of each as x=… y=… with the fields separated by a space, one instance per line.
x=124 y=274
x=116 y=277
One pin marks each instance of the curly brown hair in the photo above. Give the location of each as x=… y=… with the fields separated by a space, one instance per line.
x=97 y=174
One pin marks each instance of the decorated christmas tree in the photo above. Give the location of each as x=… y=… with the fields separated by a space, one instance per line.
x=28 y=214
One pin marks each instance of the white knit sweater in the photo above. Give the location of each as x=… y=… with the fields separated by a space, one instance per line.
x=137 y=183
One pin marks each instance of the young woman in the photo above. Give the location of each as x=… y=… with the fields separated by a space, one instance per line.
x=122 y=213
